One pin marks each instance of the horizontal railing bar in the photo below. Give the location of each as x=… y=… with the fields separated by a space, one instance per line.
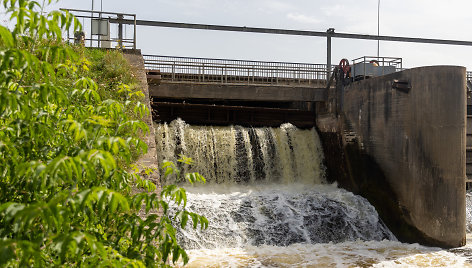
x=236 y=63
x=114 y=40
x=244 y=71
x=98 y=12
x=218 y=59
x=233 y=66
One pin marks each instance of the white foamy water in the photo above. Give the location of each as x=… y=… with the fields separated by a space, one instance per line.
x=268 y=205
x=265 y=226
x=468 y=211
x=346 y=254
x=280 y=215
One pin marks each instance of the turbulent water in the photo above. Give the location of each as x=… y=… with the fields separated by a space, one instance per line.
x=281 y=215
x=468 y=208
x=235 y=154
x=340 y=255
x=268 y=204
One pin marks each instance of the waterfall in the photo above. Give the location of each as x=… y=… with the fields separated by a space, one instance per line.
x=233 y=154
x=468 y=211
x=267 y=186
x=268 y=204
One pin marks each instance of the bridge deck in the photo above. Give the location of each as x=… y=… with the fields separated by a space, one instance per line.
x=202 y=78
x=278 y=93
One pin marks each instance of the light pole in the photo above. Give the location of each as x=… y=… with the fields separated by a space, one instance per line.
x=91 y=18
x=378 y=29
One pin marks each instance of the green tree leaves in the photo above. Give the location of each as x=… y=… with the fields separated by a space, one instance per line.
x=7 y=37
x=66 y=142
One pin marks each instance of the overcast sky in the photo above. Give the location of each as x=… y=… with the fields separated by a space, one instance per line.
x=440 y=19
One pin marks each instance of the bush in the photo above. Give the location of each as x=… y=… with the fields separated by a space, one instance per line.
x=65 y=194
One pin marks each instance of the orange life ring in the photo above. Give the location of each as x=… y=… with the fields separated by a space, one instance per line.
x=345 y=67
x=374 y=62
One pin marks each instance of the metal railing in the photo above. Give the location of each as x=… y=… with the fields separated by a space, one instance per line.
x=369 y=66
x=99 y=32
x=225 y=71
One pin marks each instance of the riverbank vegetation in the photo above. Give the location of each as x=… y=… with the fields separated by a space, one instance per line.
x=70 y=128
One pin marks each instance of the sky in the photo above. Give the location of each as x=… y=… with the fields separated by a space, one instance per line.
x=439 y=19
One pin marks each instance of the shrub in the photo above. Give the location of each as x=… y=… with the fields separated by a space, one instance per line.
x=65 y=195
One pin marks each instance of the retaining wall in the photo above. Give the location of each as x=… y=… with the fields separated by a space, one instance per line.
x=404 y=150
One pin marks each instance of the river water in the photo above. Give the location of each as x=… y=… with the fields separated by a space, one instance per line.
x=269 y=205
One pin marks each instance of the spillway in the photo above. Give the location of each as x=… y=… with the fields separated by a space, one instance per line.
x=234 y=154
x=269 y=204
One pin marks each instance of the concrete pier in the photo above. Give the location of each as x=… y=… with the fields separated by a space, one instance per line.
x=404 y=142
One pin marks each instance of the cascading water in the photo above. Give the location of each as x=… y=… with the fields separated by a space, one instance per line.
x=268 y=204
x=468 y=209
x=235 y=154
x=281 y=215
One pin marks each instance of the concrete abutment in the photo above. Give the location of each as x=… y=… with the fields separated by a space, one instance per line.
x=404 y=150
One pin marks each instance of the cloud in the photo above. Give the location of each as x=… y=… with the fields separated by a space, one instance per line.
x=303 y=18
x=333 y=10
x=277 y=6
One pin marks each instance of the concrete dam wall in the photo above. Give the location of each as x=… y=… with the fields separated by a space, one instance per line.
x=398 y=140
x=403 y=148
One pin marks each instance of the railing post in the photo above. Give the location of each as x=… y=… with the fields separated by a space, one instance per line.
x=277 y=74
x=203 y=72
x=248 y=75
x=222 y=74
x=226 y=73
x=120 y=31
x=173 y=70
x=299 y=75
x=199 y=74
x=92 y=15
x=134 y=35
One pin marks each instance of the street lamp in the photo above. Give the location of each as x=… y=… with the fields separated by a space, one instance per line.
x=378 y=29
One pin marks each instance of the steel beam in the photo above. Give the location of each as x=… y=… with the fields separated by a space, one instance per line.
x=292 y=32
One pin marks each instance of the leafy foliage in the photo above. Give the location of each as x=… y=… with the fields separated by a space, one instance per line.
x=65 y=196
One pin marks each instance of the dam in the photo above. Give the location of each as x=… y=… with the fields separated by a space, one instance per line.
x=309 y=167
x=380 y=136
x=269 y=189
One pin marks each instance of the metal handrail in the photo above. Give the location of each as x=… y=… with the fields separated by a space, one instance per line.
x=234 y=71
x=111 y=18
x=229 y=66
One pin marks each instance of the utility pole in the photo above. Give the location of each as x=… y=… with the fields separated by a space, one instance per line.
x=329 y=32
x=378 y=29
x=100 y=24
x=91 y=36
